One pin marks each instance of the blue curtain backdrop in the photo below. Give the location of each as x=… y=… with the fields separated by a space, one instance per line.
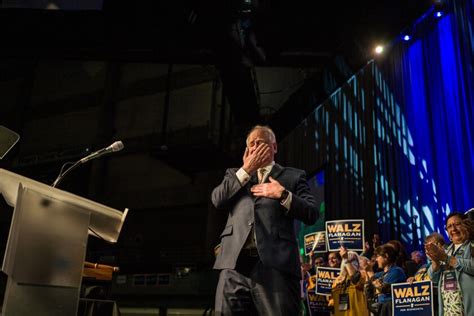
x=397 y=140
x=425 y=126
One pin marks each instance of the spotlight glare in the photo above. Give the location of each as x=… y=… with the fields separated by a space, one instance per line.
x=379 y=49
x=439 y=14
x=406 y=38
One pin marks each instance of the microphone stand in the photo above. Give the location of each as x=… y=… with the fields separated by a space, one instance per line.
x=116 y=146
x=62 y=174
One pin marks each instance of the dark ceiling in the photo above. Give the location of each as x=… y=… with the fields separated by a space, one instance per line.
x=269 y=32
x=231 y=34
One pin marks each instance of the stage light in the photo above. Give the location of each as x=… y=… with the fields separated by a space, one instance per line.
x=439 y=8
x=379 y=49
x=406 y=38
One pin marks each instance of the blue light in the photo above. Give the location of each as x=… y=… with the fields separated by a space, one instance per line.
x=432 y=91
x=406 y=38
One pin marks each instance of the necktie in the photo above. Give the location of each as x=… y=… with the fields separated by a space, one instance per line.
x=261 y=175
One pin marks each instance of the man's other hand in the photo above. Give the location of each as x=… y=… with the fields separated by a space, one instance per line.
x=272 y=190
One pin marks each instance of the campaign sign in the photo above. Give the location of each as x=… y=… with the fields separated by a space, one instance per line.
x=315 y=242
x=317 y=303
x=324 y=279
x=348 y=233
x=414 y=299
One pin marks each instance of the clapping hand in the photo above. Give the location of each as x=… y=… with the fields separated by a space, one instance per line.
x=435 y=252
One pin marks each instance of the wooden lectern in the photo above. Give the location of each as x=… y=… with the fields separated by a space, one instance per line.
x=46 y=247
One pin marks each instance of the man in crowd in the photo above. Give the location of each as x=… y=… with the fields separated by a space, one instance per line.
x=418 y=257
x=259 y=258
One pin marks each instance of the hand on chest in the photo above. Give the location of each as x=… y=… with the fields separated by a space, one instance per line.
x=271 y=189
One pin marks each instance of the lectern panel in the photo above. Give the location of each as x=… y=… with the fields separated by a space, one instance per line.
x=105 y=221
x=47 y=241
x=46 y=246
x=28 y=300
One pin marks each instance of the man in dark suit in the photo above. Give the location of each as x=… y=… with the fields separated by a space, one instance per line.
x=259 y=257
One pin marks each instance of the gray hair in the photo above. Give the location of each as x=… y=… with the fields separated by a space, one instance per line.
x=264 y=128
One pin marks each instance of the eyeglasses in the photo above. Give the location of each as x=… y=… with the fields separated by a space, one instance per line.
x=318 y=262
x=453 y=225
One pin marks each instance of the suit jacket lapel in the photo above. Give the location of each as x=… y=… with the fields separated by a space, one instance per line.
x=276 y=170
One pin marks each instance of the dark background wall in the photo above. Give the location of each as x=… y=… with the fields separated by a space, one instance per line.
x=180 y=84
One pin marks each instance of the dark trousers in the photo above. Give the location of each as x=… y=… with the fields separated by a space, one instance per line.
x=254 y=289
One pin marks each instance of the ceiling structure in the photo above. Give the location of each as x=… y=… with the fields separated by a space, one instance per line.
x=234 y=35
x=269 y=32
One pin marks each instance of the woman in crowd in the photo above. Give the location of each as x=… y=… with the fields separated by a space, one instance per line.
x=380 y=282
x=348 y=288
x=453 y=269
x=334 y=259
x=408 y=265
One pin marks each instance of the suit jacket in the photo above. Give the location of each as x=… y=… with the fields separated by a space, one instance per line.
x=274 y=228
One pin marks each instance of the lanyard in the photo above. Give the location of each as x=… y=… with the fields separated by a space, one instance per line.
x=457 y=252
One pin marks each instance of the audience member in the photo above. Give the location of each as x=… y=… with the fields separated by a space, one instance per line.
x=348 y=288
x=369 y=247
x=379 y=284
x=364 y=284
x=418 y=257
x=334 y=259
x=408 y=266
x=319 y=261
x=422 y=273
x=453 y=269
x=468 y=224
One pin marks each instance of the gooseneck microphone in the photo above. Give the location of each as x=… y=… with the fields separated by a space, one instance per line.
x=116 y=146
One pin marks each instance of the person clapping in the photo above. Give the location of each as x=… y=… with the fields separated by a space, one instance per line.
x=348 y=288
x=453 y=269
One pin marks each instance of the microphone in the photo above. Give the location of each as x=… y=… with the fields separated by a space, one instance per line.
x=117 y=146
